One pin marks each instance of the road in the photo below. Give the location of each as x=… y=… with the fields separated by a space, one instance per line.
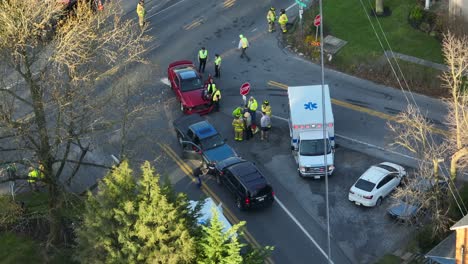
x=295 y=225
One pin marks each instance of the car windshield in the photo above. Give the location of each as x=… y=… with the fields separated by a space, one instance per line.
x=313 y=147
x=211 y=142
x=364 y=185
x=189 y=81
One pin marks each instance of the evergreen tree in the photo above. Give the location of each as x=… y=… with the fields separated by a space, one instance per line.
x=161 y=228
x=105 y=235
x=218 y=246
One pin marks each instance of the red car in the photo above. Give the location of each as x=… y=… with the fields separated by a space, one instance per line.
x=189 y=88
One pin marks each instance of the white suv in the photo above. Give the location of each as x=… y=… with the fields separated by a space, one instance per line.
x=376 y=183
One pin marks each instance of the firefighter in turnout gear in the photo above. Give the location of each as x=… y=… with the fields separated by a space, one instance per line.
x=266 y=108
x=271 y=18
x=283 y=20
x=239 y=126
x=141 y=12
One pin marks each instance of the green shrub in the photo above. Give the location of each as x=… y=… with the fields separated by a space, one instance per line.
x=426 y=239
x=416 y=15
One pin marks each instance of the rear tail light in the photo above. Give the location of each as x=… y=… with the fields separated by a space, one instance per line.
x=247 y=201
x=368 y=196
x=273 y=193
x=221 y=173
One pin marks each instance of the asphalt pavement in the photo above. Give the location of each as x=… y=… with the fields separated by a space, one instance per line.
x=296 y=223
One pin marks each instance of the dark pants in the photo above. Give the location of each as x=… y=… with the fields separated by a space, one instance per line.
x=202 y=62
x=217 y=72
x=248 y=133
x=216 y=106
x=253 y=114
x=244 y=54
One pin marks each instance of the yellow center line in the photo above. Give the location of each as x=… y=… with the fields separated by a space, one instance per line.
x=363 y=109
x=193 y=24
x=229 y=3
x=189 y=172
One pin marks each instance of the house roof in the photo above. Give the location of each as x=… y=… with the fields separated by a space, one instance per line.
x=444 y=252
x=462 y=223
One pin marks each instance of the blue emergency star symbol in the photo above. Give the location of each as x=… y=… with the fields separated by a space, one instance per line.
x=310 y=106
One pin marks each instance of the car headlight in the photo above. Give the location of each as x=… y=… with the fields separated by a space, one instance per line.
x=331 y=167
x=302 y=169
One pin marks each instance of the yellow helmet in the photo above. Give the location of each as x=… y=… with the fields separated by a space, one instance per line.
x=266 y=102
x=272 y=9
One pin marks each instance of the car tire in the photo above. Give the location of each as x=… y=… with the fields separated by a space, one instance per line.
x=379 y=202
x=239 y=204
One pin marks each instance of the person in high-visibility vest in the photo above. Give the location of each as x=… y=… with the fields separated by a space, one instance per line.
x=202 y=57
x=266 y=107
x=33 y=175
x=271 y=17
x=217 y=64
x=283 y=20
x=141 y=12
x=216 y=97
x=238 y=125
x=243 y=45
x=211 y=87
x=252 y=105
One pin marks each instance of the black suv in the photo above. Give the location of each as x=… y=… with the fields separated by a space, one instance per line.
x=245 y=181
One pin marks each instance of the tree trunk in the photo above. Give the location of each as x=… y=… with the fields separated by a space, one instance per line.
x=46 y=159
x=453 y=163
x=379 y=7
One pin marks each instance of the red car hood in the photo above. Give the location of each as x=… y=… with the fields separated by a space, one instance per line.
x=194 y=98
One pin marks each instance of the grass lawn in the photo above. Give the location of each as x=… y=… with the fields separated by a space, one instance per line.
x=389 y=259
x=347 y=20
x=16 y=249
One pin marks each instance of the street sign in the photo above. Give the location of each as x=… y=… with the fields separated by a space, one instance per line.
x=317 y=20
x=302 y=3
x=245 y=88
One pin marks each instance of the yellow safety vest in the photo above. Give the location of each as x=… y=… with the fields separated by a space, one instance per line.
x=266 y=109
x=140 y=10
x=216 y=96
x=283 y=19
x=218 y=61
x=33 y=175
x=202 y=54
x=253 y=105
x=245 y=42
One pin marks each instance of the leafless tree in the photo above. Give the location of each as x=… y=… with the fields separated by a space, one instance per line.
x=455 y=50
x=422 y=189
x=52 y=92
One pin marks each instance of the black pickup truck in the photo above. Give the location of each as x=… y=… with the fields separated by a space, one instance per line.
x=198 y=137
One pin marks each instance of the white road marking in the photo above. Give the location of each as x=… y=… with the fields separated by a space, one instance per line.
x=291 y=6
x=253 y=30
x=165 y=81
x=301 y=227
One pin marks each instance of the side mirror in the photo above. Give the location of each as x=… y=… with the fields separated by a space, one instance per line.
x=292 y=148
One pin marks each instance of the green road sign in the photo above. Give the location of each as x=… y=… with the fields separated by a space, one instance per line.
x=302 y=3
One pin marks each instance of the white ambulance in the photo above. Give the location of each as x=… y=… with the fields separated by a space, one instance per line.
x=307 y=133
